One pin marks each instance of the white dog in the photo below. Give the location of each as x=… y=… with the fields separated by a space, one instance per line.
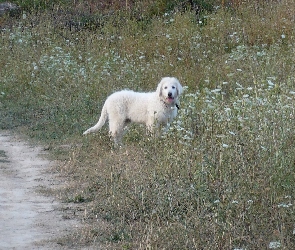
x=151 y=109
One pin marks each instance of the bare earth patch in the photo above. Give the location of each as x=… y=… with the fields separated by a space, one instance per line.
x=29 y=220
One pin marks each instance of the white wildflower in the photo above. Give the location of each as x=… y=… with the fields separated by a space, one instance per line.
x=274 y=244
x=239 y=85
x=215 y=90
x=284 y=205
x=270 y=83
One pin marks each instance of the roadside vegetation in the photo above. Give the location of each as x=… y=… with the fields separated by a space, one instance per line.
x=222 y=176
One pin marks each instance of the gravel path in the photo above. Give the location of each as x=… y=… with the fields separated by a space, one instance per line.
x=28 y=219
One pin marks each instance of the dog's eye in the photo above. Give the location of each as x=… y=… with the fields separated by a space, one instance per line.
x=173 y=87
x=165 y=87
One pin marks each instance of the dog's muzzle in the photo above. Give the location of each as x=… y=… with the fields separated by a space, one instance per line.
x=170 y=98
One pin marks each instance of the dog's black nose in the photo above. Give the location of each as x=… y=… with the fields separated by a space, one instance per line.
x=170 y=94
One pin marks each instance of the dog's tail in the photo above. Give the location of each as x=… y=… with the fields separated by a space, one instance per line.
x=103 y=118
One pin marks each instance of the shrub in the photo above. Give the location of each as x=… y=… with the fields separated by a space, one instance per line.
x=220 y=177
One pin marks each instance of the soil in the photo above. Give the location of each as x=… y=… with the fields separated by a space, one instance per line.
x=29 y=219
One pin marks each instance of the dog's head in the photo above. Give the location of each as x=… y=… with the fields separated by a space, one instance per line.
x=169 y=89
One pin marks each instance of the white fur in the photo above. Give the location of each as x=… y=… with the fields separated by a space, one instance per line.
x=151 y=109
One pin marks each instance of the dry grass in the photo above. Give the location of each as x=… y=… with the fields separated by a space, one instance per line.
x=222 y=176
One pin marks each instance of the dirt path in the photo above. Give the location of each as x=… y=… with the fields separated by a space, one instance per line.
x=28 y=220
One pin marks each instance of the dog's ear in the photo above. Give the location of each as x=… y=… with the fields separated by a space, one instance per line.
x=159 y=88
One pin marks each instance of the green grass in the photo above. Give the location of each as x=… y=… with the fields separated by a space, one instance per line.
x=222 y=176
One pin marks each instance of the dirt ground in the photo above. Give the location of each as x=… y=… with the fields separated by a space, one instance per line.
x=29 y=220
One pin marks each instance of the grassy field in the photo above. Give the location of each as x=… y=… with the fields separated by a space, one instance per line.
x=223 y=175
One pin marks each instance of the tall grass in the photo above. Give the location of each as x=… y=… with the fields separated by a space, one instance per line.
x=221 y=177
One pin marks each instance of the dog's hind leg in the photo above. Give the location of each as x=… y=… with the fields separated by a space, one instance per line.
x=116 y=132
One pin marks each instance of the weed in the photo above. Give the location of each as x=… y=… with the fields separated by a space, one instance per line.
x=220 y=177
